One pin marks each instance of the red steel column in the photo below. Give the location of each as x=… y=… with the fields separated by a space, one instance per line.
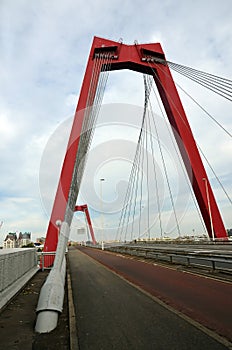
x=60 y=203
x=189 y=152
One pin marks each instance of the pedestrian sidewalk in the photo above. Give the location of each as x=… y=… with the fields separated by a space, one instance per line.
x=17 y=321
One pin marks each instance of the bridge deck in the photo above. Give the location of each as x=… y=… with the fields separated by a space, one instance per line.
x=113 y=314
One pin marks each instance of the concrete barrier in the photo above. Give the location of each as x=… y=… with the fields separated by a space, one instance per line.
x=17 y=266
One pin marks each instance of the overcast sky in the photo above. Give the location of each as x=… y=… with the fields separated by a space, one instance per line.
x=44 y=46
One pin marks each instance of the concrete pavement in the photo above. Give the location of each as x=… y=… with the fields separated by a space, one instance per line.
x=17 y=321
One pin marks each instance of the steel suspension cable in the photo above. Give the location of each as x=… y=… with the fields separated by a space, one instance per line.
x=217 y=178
x=132 y=189
x=147 y=90
x=180 y=160
x=136 y=187
x=129 y=192
x=155 y=176
x=164 y=166
x=204 y=110
x=214 y=82
x=226 y=131
x=128 y=200
x=225 y=81
x=207 y=80
x=141 y=182
x=213 y=87
x=95 y=98
x=171 y=64
x=78 y=167
x=104 y=63
x=166 y=173
x=221 y=86
x=147 y=171
x=90 y=116
x=155 y=74
x=149 y=83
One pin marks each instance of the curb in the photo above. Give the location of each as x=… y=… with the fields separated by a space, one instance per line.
x=72 y=316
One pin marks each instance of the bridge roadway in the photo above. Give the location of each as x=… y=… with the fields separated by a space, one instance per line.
x=114 y=314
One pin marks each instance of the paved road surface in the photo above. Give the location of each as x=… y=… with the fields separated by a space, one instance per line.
x=112 y=314
x=206 y=300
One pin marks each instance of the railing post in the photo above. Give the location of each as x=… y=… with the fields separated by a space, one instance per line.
x=42 y=261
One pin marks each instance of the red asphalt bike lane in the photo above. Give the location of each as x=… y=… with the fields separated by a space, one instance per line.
x=205 y=300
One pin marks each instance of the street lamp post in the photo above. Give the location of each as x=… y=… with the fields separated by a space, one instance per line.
x=102 y=219
x=209 y=208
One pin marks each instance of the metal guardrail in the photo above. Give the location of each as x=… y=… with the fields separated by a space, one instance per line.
x=215 y=262
x=48 y=257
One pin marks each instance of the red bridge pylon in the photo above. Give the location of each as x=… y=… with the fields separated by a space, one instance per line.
x=84 y=209
x=148 y=59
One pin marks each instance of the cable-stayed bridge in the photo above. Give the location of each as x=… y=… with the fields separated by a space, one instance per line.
x=153 y=203
x=144 y=207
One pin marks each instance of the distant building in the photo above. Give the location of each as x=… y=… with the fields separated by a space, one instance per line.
x=24 y=239
x=10 y=241
x=40 y=240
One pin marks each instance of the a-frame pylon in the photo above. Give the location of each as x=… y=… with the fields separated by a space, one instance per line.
x=84 y=209
x=149 y=59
